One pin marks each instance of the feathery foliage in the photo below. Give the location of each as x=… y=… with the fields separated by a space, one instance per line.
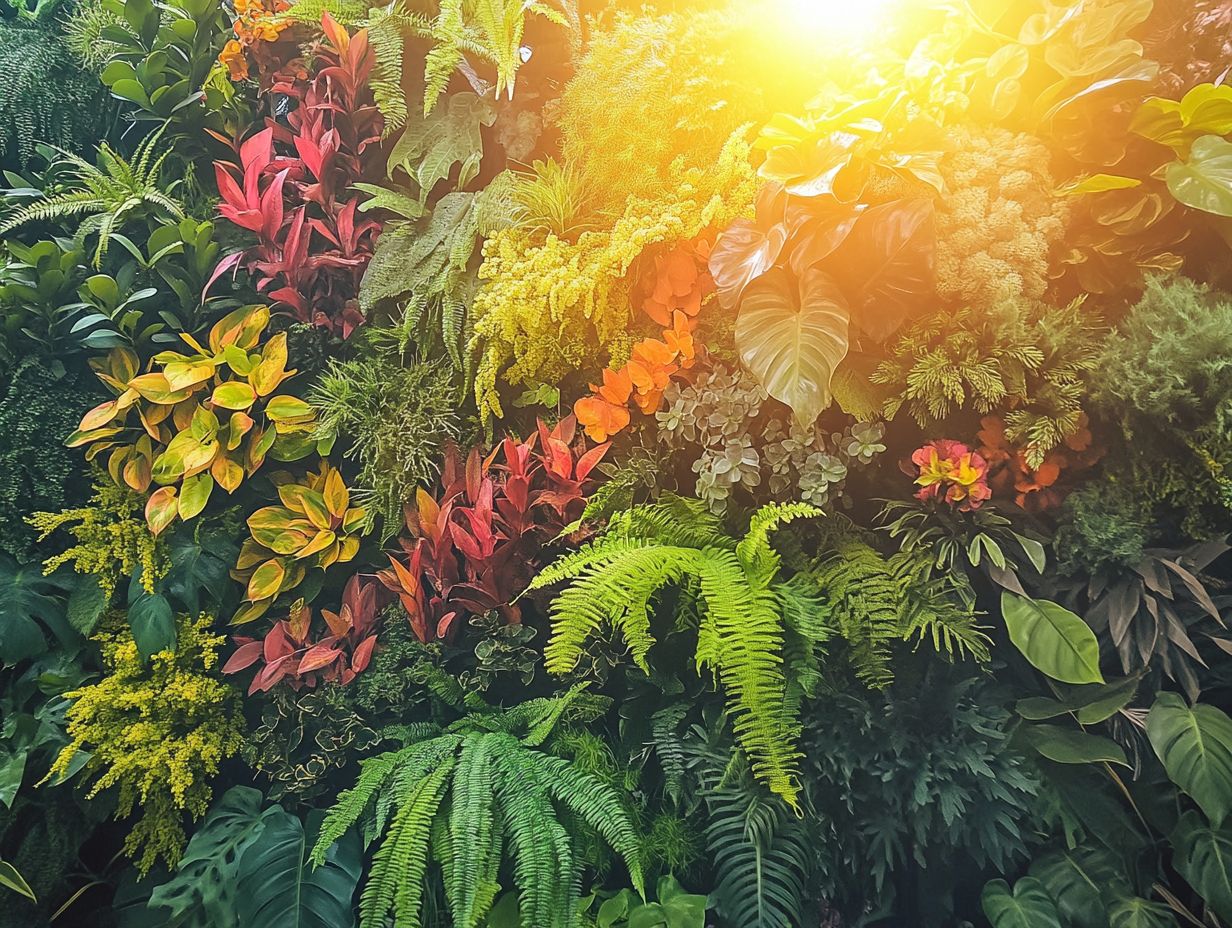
x=471 y=794
x=1030 y=360
x=398 y=420
x=676 y=542
x=45 y=96
x=463 y=33
x=107 y=195
x=876 y=602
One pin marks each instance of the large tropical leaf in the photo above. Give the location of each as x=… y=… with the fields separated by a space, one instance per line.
x=1028 y=906
x=1071 y=746
x=885 y=266
x=1140 y=913
x=1204 y=180
x=29 y=602
x=791 y=334
x=1052 y=638
x=1077 y=881
x=1195 y=746
x=279 y=886
x=204 y=892
x=1204 y=858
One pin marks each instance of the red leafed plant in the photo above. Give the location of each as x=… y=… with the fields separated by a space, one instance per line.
x=474 y=548
x=292 y=187
x=289 y=652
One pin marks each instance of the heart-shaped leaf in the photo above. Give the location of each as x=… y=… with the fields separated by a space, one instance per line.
x=1028 y=906
x=791 y=334
x=1204 y=181
x=1194 y=743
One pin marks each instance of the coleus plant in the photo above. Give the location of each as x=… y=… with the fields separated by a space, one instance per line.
x=474 y=549
x=205 y=418
x=290 y=652
x=293 y=188
x=316 y=526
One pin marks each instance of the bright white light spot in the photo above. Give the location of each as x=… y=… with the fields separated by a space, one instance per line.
x=844 y=19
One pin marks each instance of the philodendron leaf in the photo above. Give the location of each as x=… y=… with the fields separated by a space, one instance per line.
x=1204 y=180
x=1140 y=913
x=1071 y=746
x=1077 y=881
x=885 y=266
x=279 y=886
x=1052 y=638
x=1204 y=858
x=1195 y=746
x=1028 y=906
x=791 y=334
x=202 y=894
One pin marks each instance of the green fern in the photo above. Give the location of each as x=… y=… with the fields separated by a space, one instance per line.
x=470 y=795
x=488 y=31
x=107 y=194
x=740 y=630
x=876 y=602
x=45 y=95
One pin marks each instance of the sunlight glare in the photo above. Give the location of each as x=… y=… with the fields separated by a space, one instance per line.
x=845 y=19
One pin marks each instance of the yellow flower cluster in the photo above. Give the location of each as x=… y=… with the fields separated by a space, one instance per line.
x=549 y=306
x=113 y=539
x=999 y=219
x=157 y=732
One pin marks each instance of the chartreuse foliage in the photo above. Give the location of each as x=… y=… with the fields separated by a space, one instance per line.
x=734 y=586
x=469 y=795
x=157 y=731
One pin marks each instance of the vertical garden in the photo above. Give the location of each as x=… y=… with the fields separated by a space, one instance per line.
x=616 y=464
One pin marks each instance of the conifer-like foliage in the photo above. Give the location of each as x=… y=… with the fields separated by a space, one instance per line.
x=481 y=790
x=731 y=583
x=1028 y=359
x=107 y=194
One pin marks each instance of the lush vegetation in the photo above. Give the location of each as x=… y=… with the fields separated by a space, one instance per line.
x=603 y=464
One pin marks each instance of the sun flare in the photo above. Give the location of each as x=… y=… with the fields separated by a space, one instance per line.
x=845 y=19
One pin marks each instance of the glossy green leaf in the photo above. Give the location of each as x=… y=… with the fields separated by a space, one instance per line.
x=1077 y=881
x=792 y=334
x=279 y=886
x=1194 y=743
x=10 y=878
x=1028 y=906
x=1073 y=746
x=1055 y=641
x=1204 y=858
x=1204 y=180
x=1140 y=913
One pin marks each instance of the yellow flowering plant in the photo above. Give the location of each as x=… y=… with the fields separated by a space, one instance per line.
x=156 y=732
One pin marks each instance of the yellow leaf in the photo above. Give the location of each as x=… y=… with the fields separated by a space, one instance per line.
x=266 y=581
x=227 y=472
x=161 y=509
x=195 y=494
x=337 y=496
x=320 y=542
x=235 y=394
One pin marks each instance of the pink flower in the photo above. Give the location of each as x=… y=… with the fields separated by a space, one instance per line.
x=950 y=470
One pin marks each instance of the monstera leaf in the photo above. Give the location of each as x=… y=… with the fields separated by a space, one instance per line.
x=1204 y=181
x=1140 y=913
x=885 y=266
x=1077 y=881
x=203 y=891
x=1052 y=638
x=1028 y=906
x=791 y=334
x=1204 y=858
x=279 y=886
x=1195 y=746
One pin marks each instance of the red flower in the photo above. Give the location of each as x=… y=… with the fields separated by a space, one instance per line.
x=950 y=470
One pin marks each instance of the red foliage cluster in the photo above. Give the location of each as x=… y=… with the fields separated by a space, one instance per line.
x=289 y=652
x=477 y=546
x=1036 y=490
x=292 y=188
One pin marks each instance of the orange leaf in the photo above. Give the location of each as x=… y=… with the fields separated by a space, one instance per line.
x=161 y=509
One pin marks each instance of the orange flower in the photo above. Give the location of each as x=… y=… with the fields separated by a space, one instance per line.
x=679 y=282
x=679 y=339
x=606 y=413
x=617 y=386
x=235 y=59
